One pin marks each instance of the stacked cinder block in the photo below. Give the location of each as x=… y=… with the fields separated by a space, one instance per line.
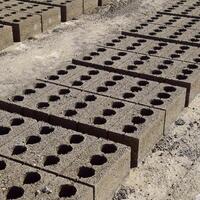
x=49 y=154
x=50 y=16
x=6 y=36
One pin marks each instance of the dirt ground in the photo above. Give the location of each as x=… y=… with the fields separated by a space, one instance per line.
x=172 y=171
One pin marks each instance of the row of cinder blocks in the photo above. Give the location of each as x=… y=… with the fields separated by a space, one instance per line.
x=169 y=98
x=159 y=69
x=86 y=164
x=121 y=121
x=73 y=8
x=28 y=23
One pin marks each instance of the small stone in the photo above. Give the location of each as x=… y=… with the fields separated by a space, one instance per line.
x=179 y=122
x=37 y=192
x=46 y=190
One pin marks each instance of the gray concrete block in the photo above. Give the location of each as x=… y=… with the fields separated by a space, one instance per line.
x=6 y=35
x=153 y=48
x=50 y=16
x=49 y=147
x=169 y=71
x=102 y=165
x=12 y=126
x=89 y=6
x=102 y=57
x=69 y=9
x=23 y=25
x=24 y=182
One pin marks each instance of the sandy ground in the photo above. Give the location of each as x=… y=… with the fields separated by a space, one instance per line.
x=172 y=171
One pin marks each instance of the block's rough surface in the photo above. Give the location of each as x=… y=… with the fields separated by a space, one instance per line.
x=159 y=69
x=93 y=114
x=24 y=25
x=69 y=9
x=22 y=182
x=6 y=36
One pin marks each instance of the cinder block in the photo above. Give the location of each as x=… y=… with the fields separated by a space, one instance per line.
x=102 y=165
x=23 y=25
x=6 y=36
x=49 y=147
x=153 y=48
x=69 y=9
x=12 y=126
x=89 y=5
x=80 y=112
x=24 y=182
x=50 y=16
x=169 y=71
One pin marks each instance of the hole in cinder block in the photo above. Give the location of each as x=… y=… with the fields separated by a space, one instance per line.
x=117 y=77
x=110 y=83
x=86 y=172
x=94 y=54
x=87 y=58
x=108 y=112
x=184 y=47
x=136 y=89
x=31 y=178
x=70 y=67
x=62 y=72
x=169 y=89
x=28 y=91
x=64 y=149
x=144 y=57
x=17 y=98
x=109 y=148
x=2 y=164
x=80 y=105
x=130 y=48
x=53 y=77
x=138 y=62
x=98 y=160
x=45 y=130
x=156 y=72
x=192 y=66
x=15 y=192
x=146 y=112
x=90 y=98
x=67 y=191
x=99 y=120
x=122 y=53
x=163 y=95
x=115 y=58
x=156 y=102
x=64 y=91
x=77 y=83
x=70 y=113
x=131 y=67
x=42 y=105
x=108 y=62
x=181 y=77
x=101 y=49
x=187 y=71
x=54 y=98
x=128 y=95
x=138 y=120
x=51 y=160
x=129 y=129
x=152 y=52
x=93 y=72
x=102 y=89
x=40 y=85
x=4 y=130
x=19 y=149
x=142 y=83
x=162 y=67
x=168 y=62
x=162 y=44
x=33 y=139
x=85 y=77
x=117 y=104
x=16 y=121
x=76 y=139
